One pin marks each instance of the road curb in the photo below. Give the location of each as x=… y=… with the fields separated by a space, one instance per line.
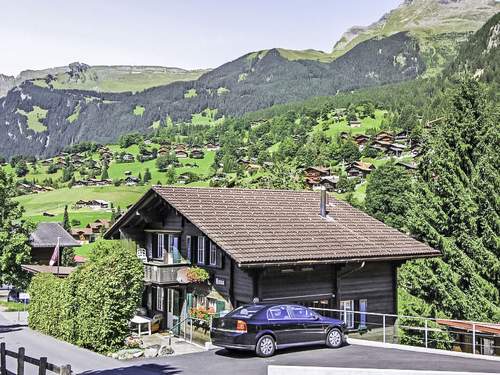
x=422 y=350
x=302 y=370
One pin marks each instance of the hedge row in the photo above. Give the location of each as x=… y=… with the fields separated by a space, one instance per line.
x=92 y=307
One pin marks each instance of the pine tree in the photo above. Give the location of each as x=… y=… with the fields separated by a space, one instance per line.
x=66 y=222
x=68 y=257
x=455 y=209
x=104 y=174
x=147 y=176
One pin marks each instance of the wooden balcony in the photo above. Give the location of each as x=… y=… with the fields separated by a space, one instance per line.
x=165 y=274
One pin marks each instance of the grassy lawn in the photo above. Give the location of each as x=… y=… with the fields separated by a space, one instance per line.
x=334 y=128
x=84 y=217
x=13 y=306
x=54 y=201
x=84 y=250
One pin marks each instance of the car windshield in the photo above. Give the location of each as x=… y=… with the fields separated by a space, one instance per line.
x=245 y=311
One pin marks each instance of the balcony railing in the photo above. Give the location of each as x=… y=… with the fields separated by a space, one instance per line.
x=162 y=273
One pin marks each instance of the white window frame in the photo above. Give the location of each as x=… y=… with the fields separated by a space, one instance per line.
x=213 y=254
x=188 y=248
x=159 y=298
x=349 y=312
x=160 y=246
x=201 y=250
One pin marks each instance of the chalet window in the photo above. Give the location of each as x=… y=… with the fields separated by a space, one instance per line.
x=363 y=306
x=173 y=249
x=158 y=245
x=347 y=313
x=213 y=254
x=201 y=250
x=188 y=248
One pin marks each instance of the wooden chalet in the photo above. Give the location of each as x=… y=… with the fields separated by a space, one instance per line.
x=197 y=153
x=384 y=137
x=359 y=169
x=83 y=235
x=212 y=146
x=131 y=180
x=93 y=204
x=181 y=153
x=361 y=139
x=355 y=123
x=99 y=226
x=271 y=245
x=44 y=239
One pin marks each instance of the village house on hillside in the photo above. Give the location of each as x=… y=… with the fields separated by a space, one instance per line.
x=359 y=169
x=44 y=239
x=270 y=245
x=95 y=204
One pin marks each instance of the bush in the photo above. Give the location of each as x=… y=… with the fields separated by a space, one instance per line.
x=92 y=307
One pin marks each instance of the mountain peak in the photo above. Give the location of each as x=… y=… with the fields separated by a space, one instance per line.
x=421 y=16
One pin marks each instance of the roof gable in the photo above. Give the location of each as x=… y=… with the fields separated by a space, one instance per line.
x=46 y=235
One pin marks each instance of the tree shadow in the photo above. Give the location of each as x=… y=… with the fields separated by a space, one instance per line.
x=244 y=354
x=11 y=328
x=146 y=369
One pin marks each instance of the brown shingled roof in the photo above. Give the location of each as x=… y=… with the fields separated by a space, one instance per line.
x=267 y=226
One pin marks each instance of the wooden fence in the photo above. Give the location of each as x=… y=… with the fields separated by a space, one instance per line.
x=22 y=359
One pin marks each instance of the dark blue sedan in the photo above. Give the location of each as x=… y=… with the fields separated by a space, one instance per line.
x=265 y=328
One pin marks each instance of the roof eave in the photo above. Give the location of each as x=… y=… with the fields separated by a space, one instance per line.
x=337 y=261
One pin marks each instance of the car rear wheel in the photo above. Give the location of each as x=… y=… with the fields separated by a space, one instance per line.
x=334 y=339
x=266 y=346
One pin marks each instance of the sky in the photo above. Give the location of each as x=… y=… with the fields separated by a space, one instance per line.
x=37 y=34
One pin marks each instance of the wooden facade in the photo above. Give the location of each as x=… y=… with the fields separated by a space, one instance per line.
x=170 y=244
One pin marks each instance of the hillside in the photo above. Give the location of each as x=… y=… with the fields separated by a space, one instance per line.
x=439 y=26
x=100 y=78
x=43 y=115
x=41 y=121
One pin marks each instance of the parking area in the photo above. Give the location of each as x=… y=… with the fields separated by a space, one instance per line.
x=351 y=356
x=221 y=362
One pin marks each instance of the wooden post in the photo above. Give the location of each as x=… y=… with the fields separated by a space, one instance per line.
x=65 y=370
x=20 y=361
x=42 y=368
x=3 y=363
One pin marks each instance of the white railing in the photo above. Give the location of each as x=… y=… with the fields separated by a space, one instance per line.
x=449 y=334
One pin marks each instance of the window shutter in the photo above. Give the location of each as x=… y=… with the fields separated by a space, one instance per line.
x=154 y=245
x=220 y=258
x=194 y=249
x=207 y=251
x=149 y=246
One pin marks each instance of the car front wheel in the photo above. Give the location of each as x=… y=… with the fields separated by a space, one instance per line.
x=334 y=339
x=265 y=346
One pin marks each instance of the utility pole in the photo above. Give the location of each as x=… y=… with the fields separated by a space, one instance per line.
x=58 y=255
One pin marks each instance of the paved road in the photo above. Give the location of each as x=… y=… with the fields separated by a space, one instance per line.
x=220 y=362
x=352 y=356
x=39 y=345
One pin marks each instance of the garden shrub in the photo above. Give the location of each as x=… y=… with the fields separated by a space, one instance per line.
x=92 y=307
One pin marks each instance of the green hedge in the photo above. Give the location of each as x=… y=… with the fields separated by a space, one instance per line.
x=92 y=307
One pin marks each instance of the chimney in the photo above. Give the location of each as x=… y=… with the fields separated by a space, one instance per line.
x=322 y=202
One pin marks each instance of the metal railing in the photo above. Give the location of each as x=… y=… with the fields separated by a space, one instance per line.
x=187 y=330
x=449 y=334
x=162 y=273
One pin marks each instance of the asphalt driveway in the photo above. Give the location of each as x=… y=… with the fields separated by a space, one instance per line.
x=221 y=362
